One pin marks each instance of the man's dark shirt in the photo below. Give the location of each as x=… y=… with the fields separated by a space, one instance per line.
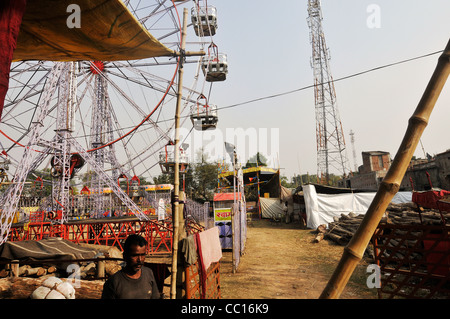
x=120 y=286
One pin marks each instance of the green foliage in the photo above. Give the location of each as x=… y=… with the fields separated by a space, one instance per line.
x=298 y=180
x=256 y=160
x=45 y=175
x=200 y=181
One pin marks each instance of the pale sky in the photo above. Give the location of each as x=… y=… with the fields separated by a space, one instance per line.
x=269 y=53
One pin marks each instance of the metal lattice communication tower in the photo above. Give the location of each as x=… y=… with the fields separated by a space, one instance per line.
x=329 y=133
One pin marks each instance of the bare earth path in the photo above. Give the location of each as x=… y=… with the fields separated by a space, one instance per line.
x=282 y=262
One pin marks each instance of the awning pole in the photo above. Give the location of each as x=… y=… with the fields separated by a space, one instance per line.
x=176 y=213
x=354 y=251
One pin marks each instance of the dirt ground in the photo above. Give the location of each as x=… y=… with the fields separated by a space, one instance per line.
x=282 y=262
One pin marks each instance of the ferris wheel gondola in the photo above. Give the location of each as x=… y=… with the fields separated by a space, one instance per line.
x=204 y=116
x=204 y=19
x=215 y=65
x=167 y=159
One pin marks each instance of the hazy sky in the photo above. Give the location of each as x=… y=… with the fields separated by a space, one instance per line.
x=269 y=52
x=268 y=94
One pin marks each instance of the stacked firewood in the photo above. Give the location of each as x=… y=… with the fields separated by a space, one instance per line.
x=27 y=271
x=86 y=270
x=342 y=229
x=81 y=270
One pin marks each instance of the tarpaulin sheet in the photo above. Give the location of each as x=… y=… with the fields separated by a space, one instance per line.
x=108 y=31
x=11 y=12
x=321 y=208
x=50 y=248
x=271 y=207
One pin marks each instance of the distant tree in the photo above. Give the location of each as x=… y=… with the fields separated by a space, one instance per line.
x=200 y=181
x=256 y=160
x=163 y=179
x=285 y=182
x=45 y=175
x=204 y=177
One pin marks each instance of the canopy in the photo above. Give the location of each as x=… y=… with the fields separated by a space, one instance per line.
x=108 y=31
x=49 y=248
x=224 y=197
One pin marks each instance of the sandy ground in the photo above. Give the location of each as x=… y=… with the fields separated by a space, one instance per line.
x=282 y=262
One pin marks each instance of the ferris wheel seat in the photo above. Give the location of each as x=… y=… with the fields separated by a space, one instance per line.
x=204 y=20
x=167 y=162
x=215 y=68
x=204 y=122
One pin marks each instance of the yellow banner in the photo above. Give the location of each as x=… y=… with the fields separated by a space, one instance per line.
x=222 y=214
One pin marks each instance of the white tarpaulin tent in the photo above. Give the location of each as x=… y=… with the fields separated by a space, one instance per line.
x=321 y=208
x=271 y=207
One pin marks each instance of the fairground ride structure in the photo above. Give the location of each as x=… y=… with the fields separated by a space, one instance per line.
x=93 y=124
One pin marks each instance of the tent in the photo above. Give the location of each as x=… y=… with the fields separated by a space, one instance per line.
x=271 y=207
x=266 y=179
x=49 y=248
x=321 y=207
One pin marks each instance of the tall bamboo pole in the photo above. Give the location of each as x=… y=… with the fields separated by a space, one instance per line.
x=176 y=213
x=354 y=251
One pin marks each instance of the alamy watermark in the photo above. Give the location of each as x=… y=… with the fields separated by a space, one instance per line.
x=74 y=19
x=374 y=279
x=247 y=143
x=73 y=270
x=373 y=20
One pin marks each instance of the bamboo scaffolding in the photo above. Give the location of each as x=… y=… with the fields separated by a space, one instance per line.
x=176 y=213
x=353 y=252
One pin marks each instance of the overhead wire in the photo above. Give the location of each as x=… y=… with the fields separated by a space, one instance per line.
x=335 y=80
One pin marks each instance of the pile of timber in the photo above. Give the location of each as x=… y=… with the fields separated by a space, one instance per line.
x=86 y=270
x=342 y=229
x=27 y=271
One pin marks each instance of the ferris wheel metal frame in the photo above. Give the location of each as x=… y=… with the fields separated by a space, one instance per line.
x=63 y=80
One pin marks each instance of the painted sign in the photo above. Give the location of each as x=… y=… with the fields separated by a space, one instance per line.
x=221 y=214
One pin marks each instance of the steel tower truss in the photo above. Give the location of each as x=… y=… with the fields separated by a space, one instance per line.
x=10 y=198
x=61 y=79
x=101 y=131
x=61 y=161
x=331 y=147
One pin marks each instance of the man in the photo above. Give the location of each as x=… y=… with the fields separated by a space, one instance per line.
x=134 y=281
x=286 y=213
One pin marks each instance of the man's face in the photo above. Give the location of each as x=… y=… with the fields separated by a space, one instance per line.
x=135 y=258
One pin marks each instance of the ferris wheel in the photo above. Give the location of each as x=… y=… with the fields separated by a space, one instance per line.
x=109 y=118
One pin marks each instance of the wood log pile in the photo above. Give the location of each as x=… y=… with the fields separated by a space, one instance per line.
x=87 y=270
x=342 y=229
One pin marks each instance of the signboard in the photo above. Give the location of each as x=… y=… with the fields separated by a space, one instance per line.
x=222 y=214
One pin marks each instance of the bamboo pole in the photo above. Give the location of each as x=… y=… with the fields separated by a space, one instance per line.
x=176 y=214
x=354 y=251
